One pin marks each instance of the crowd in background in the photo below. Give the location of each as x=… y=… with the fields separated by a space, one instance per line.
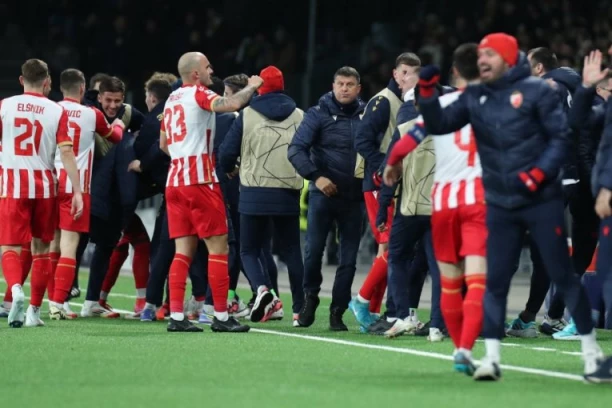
x=117 y=36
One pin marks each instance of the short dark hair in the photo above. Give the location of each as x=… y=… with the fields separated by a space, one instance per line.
x=164 y=76
x=236 y=82
x=347 y=71
x=71 y=79
x=544 y=56
x=34 y=71
x=160 y=88
x=408 y=58
x=99 y=77
x=112 y=84
x=217 y=86
x=465 y=61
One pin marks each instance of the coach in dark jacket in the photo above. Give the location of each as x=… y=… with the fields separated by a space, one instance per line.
x=522 y=137
x=322 y=152
x=269 y=187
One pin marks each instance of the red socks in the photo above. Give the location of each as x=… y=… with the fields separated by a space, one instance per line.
x=140 y=264
x=64 y=275
x=11 y=268
x=377 y=296
x=41 y=270
x=54 y=257
x=377 y=274
x=25 y=266
x=451 y=305
x=26 y=262
x=218 y=279
x=472 y=310
x=177 y=281
x=120 y=254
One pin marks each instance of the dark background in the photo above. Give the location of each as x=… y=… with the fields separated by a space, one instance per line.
x=133 y=38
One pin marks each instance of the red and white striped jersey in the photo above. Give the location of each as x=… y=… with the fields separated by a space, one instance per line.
x=32 y=128
x=83 y=123
x=458 y=176
x=189 y=128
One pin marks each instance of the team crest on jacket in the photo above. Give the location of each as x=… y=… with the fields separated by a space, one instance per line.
x=516 y=99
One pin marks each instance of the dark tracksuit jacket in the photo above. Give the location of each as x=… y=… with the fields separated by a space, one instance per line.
x=602 y=178
x=519 y=123
x=324 y=146
x=269 y=186
x=372 y=131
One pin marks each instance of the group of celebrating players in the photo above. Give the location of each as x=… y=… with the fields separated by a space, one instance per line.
x=482 y=164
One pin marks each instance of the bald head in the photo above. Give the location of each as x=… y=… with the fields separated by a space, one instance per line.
x=194 y=69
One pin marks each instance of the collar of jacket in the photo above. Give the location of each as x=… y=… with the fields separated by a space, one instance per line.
x=393 y=87
x=347 y=109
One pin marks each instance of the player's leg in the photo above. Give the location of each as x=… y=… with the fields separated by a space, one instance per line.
x=54 y=256
x=119 y=255
x=436 y=329
x=266 y=258
x=139 y=239
x=504 y=244
x=376 y=278
x=207 y=214
x=546 y=224
x=473 y=250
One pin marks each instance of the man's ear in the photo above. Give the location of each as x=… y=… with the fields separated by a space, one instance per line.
x=21 y=79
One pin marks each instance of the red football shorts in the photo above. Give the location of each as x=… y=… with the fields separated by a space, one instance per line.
x=27 y=218
x=459 y=232
x=196 y=210
x=67 y=221
x=371 y=204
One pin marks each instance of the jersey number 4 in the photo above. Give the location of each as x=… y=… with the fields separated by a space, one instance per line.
x=174 y=121
x=24 y=145
x=469 y=147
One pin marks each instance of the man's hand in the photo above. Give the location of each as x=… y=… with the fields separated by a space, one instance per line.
x=135 y=166
x=429 y=76
x=326 y=186
x=602 y=204
x=392 y=174
x=255 y=81
x=592 y=73
x=532 y=179
x=234 y=173
x=76 y=209
x=118 y=122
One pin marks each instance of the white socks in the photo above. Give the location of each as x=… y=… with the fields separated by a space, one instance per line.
x=141 y=293
x=362 y=299
x=177 y=316
x=150 y=306
x=589 y=343
x=466 y=352
x=103 y=295
x=222 y=316
x=492 y=347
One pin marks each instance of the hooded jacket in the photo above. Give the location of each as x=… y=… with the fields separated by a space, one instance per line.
x=255 y=200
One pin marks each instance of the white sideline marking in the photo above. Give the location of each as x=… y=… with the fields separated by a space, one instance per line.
x=439 y=356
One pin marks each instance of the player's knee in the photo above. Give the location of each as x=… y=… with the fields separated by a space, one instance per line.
x=40 y=247
x=217 y=245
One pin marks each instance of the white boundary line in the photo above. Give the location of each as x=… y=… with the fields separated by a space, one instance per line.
x=438 y=356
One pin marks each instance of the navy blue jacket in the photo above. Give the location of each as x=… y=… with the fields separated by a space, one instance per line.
x=567 y=81
x=112 y=185
x=587 y=117
x=323 y=146
x=260 y=200
x=370 y=134
x=406 y=113
x=519 y=124
x=229 y=187
x=153 y=161
x=602 y=172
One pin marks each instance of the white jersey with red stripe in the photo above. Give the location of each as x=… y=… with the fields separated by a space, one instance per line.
x=83 y=123
x=458 y=176
x=189 y=128
x=32 y=128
